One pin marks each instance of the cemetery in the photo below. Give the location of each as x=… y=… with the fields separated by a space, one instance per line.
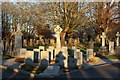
x=45 y=49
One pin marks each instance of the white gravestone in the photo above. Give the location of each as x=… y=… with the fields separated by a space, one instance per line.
x=89 y=54
x=58 y=30
x=117 y=41
x=18 y=40
x=22 y=53
x=103 y=39
x=29 y=54
x=42 y=48
x=78 y=57
x=111 y=47
x=51 y=47
x=45 y=55
x=65 y=54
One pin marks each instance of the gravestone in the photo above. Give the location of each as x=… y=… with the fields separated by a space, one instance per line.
x=37 y=42
x=58 y=30
x=51 y=47
x=60 y=59
x=111 y=47
x=91 y=44
x=78 y=57
x=74 y=48
x=28 y=61
x=103 y=39
x=52 y=42
x=45 y=55
x=42 y=48
x=22 y=53
x=31 y=42
x=103 y=49
x=75 y=42
x=72 y=62
x=18 y=40
x=29 y=54
x=65 y=54
x=24 y=42
x=117 y=41
x=89 y=54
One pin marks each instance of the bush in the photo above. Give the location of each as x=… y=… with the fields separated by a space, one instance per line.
x=20 y=60
x=93 y=59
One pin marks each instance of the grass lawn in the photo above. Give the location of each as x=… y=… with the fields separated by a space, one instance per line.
x=110 y=57
x=6 y=57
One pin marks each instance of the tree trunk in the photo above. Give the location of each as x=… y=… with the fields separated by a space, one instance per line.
x=63 y=34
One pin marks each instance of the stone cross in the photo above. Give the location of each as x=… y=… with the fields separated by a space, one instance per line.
x=58 y=30
x=117 y=41
x=103 y=38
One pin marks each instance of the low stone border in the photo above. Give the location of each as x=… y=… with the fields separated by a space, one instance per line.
x=32 y=75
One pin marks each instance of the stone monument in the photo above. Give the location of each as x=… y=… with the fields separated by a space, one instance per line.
x=117 y=48
x=117 y=41
x=111 y=47
x=103 y=47
x=18 y=40
x=58 y=30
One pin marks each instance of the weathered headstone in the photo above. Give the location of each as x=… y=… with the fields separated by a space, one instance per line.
x=117 y=41
x=24 y=42
x=78 y=57
x=91 y=44
x=111 y=47
x=52 y=42
x=37 y=42
x=28 y=61
x=18 y=40
x=31 y=42
x=89 y=54
x=75 y=42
